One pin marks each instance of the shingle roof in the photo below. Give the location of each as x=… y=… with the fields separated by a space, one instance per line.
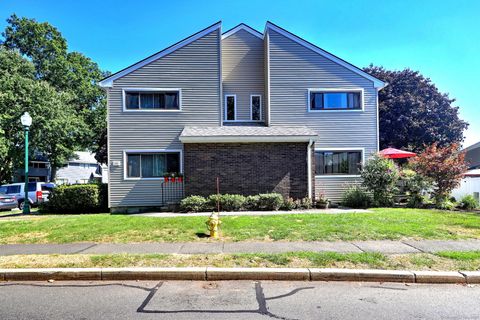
x=246 y=134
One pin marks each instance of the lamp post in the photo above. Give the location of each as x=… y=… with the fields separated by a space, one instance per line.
x=26 y=122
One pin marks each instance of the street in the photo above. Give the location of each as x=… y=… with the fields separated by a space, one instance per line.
x=236 y=300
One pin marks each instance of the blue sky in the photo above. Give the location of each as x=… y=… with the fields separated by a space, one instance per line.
x=439 y=38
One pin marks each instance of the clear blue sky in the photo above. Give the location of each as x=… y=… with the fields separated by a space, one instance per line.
x=439 y=38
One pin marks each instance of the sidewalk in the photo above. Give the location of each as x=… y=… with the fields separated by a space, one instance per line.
x=383 y=246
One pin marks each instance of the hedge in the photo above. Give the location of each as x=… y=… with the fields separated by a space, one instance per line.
x=79 y=198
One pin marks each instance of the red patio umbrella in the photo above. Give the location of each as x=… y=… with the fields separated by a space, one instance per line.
x=393 y=153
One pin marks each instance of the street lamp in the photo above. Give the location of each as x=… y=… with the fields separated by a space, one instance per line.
x=26 y=122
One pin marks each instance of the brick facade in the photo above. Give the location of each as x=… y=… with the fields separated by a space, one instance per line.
x=246 y=168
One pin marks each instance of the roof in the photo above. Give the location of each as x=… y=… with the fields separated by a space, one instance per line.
x=473 y=146
x=108 y=81
x=246 y=134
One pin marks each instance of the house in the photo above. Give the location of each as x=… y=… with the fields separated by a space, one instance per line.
x=39 y=170
x=262 y=112
x=470 y=184
x=83 y=168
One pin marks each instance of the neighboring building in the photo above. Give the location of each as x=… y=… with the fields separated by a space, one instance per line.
x=84 y=168
x=264 y=112
x=39 y=170
x=470 y=184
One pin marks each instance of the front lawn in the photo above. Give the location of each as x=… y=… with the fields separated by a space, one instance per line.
x=382 y=223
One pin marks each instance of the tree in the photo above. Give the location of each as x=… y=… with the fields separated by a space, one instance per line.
x=445 y=166
x=379 y=176
x=69 y=72
x=56 y=129
x=413 y=113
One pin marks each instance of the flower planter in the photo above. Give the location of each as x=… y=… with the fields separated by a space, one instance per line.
x=322 y=204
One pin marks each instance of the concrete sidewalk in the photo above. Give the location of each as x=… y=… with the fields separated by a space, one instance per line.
x=383 y=246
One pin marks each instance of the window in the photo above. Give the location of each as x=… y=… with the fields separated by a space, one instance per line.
x=154 y=100
x=230 y=107
x=338 y=162
x=12 y=189
x=38 y=165
x=256 y=107
x=152 y=165
x=335 y=100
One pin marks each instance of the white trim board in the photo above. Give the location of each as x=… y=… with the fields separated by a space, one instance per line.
x=142 y=151
x=377 y=83
x=242 y=26
x=108 y=82
x=326 y=90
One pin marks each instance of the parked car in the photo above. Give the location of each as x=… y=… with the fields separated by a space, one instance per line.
x=37 y=192
x=7 y=202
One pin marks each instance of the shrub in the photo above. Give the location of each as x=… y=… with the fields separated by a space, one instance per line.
x=79 y=198
x=444 y=166
x=468 y=202
x=251 y=202
x=289 y=204
x=306 y=203
x=380 y=176
x=356 y=196
x=193 y=204
x=270 y=201
x=228 y=202
x=445 y=205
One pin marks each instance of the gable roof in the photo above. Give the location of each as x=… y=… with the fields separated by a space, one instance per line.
x=242 y=26
x=108 y=81
x=377 y=83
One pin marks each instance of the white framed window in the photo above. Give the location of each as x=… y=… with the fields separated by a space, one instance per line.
x=151 y=99
x=335 y=99
x=255 y=107
x=339 y=162
x=151 y=164
x=230 y=107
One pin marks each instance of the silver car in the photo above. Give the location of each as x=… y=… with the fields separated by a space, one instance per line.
x=7 y=202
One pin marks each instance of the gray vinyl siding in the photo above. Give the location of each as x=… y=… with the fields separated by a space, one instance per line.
x=243 y=70
x=195 y=69
x=293 y=70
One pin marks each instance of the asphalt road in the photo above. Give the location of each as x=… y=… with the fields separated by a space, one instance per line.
x=236 y=300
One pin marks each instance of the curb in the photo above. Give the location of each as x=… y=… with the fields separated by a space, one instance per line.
x=219 y=274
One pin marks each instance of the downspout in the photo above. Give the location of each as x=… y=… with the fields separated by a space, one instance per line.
x=309 y=167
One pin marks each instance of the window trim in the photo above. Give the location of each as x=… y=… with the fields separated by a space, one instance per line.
x=234 y=108
x=141 y=151
x=124 y=95
x=251 y=107
x=322 y=176
x=327 y=90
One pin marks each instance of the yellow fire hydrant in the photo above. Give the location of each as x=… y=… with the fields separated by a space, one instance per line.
x=213 y=224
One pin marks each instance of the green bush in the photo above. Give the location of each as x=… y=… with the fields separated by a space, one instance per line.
x=193 y=204
x=356 y=196
x=306 y=203
x=380 y=176
x=468 y=202
x=228 y=202
x=445 y=205
x=289 y=204
x=269 y=201
x=251 y=203
x=79 y=198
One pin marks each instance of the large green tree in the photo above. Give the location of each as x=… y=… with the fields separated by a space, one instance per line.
x=414 y=113
x=70 y=72
x=57 y=130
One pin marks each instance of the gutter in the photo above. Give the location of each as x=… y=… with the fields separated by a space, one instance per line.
x=309 y=167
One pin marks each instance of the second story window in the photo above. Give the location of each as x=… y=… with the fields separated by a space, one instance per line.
x=154 y=100
x=230 y=107
x=335 y=100
x=256 y=107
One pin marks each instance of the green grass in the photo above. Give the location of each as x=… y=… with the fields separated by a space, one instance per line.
x=418 y=261
x=380 y=224
x=462 y=256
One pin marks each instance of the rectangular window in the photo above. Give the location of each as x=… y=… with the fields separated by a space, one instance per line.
x=256 y=107
x=154 y=100
x=230 y=107
x=325 y=100
x=152 y=165
x=338 y=162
